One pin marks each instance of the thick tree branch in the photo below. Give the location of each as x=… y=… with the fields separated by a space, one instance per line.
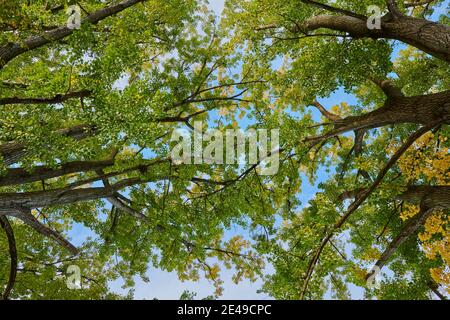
x=13 y=151
x=12 y=50
x=410 y=228
x=60 y=98
x=428 y=196
x=388 y=88
x=393 y=8
x=428 y=36
x=360 y=200
x=25 y=215
x=4 y=223
x=39 y=199
x=16 y=176
x=418 y=109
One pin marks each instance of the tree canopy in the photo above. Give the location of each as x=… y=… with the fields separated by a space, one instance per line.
x=86 y=119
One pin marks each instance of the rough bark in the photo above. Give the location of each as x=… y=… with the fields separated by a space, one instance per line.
x=46 y=198
x=431 y=37
x=428 y=196
x=39 y=199
x=423 y=110
x=16 y=176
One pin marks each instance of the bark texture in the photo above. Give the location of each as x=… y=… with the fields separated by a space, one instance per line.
x=431 y=37
x=422 y=110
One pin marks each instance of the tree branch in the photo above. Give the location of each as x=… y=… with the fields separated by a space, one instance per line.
x=12 y=254
x=435 y=288
x=325 y=112
x=388 y=88
x=59 y=98
x=393 y=8
x=118 y=203
x=13 y=151
x=423 y=109
x=334 y=9
x=431 y=37
x=360 y=200
x=410 y=228
x=25 y=215
x=16 y=176
x=12 y=50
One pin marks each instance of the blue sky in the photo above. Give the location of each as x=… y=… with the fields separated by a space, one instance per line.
x=165 y=285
